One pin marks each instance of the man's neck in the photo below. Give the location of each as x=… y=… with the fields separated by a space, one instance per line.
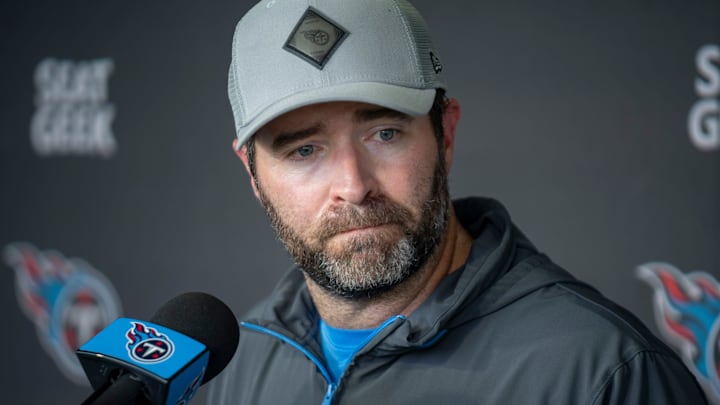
x=351 y=313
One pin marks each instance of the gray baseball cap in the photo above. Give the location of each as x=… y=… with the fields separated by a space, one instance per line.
x=287 y=54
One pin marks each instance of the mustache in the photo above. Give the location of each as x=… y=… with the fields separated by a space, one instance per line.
x=375 y=211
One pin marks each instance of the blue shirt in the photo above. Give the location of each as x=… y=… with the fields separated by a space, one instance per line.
x=340 y=345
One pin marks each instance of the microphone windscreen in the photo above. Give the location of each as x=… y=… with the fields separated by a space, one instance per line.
x=206 y=319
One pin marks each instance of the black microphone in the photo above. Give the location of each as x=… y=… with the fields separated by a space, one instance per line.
x=188 y=341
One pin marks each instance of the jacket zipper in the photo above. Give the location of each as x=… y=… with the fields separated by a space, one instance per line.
x=319 y=364
x=327 y=399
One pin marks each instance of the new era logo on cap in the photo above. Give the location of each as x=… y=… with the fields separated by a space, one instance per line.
x=437 y=65
x=315 y=38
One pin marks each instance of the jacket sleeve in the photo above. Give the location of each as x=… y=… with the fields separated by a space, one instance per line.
x=650 y=377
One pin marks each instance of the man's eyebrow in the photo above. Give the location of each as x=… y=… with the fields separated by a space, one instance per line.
x=287 y=138
x=365 y=115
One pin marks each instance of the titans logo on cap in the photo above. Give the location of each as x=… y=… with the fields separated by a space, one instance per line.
x=315 y=38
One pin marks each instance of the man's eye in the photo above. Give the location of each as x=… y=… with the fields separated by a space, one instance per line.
x=305 y=150
x=386 y=134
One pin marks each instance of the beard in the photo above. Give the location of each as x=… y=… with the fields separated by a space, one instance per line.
x=366 y=264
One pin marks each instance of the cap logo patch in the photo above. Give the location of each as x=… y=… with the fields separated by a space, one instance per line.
x=315 y=38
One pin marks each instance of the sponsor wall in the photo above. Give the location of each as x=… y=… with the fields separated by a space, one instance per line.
x=596 y=123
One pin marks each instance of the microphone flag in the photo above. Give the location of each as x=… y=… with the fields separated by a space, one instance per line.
x=170 y=364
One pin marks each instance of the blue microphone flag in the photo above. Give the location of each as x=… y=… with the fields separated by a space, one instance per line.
x=171 y=364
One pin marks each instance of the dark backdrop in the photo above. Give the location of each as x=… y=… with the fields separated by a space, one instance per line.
x=575 y=115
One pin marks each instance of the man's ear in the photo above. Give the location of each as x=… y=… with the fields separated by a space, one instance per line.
x=242 y=154
x=451 y=116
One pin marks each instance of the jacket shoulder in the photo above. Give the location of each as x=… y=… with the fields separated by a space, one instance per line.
x=568 y=333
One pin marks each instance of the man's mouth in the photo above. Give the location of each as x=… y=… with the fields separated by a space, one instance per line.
x=365 y=229
x=359 y=229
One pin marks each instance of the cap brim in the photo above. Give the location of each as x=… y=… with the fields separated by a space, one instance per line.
x=406 y=100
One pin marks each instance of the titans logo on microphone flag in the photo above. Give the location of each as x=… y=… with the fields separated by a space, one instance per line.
x=168 y=362
x=687 y=311
x=146 y=345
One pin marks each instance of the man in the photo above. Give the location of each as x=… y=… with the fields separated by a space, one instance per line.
x=401 y=296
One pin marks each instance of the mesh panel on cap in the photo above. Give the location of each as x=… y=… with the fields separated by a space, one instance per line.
x=418 y=30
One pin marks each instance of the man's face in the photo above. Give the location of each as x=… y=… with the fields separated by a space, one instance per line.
x=356 y=192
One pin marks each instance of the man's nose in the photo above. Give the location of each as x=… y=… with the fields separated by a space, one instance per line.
x=353 y=178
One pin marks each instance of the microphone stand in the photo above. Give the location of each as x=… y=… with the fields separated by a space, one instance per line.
x=126 y=390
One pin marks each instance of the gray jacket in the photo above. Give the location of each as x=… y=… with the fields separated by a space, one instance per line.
x=510 y=327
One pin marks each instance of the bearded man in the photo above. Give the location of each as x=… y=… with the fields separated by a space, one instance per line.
x=400 y=295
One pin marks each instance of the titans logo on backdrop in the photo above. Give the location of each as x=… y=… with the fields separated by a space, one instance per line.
x=67 y=300
x=687 y=312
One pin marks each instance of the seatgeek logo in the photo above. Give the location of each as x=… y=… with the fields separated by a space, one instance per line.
x=704 y=118
x=67 y=299
x=73 y=116
x=687 y=312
